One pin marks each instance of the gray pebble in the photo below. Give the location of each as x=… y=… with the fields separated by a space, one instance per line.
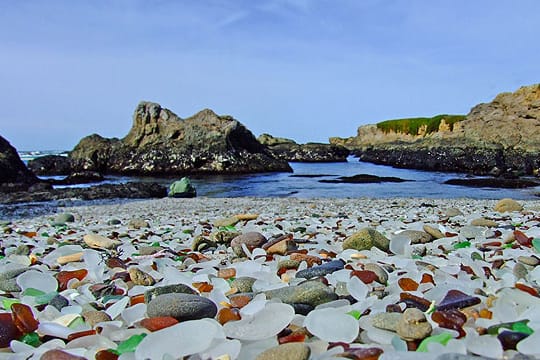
x=64 y=218
x=529 y=260
x=288 y=351
x=251 y=239
x=114 y=222
x=472 y=232
x=138 y=224
x=321 y=270
x=310 y=292
x=451 y=212
x=520 y=271
x=182 y=306
x=243 y=284
x=167 y=289
x=386 y=321
x=149 y=250
x=8 y=280
x=433 y=231
x=413 y=325
x=93 y=317
x=59 y=302
x=417 y=237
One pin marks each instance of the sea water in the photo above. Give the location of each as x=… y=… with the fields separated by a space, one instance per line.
x=304 y=182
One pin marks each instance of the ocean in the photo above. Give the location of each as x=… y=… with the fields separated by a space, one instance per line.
x=304 y=183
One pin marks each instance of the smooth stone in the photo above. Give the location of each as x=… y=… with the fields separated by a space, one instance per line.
x=182 y=307
x=149 y=250
x=382 y=275
x=138 y=223
x=507 y=205
x=22 y=250
x=93 y=317
x=484 y=222
x=223 y=236
x=251 y=239
x=321 y=270
x=200 y=243
x=59 y=302
x=417 y=237
x=471 y=232
x=386 y=321
x=302 y=309
x=64 y=218
x=454 y=356
x=100 y=242
x=8 y=280
x=224 y=222
x=529 y=260
x=413 y=325
x=289 y=351
x=243 y=284
x=451 y=212
x=65 y=259
x=310 y=292
x=434 y=232
x=282 y=247
x=168 y=289
x=365 y=239
x=139 y=277
x=520 y=271
x=114 y=222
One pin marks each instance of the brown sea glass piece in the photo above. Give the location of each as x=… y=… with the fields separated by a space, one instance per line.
x=8 y=330
x=225 y=315
x=63 y=277
x=23 y=318
x=366 y=276
x=407 y=284
x=450 y=319
x=158 y=322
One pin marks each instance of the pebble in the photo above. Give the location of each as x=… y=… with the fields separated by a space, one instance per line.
x=139 y=277
x=251 y=239
x=282 y=247
x=471 y=232
x=520 y=271
x=434 y=232
x=201 y=243
x=365 y=239
x=66 y=259
x=417 y=237
x=151 y=294
x=507 y=205
x=386 y=321
x=64 y=218
x=224 y=222
x=413 y=325
x=57 y=354
x=243 y=284
x=310 y=292
x=223 y=236
x=8 y=280
x=321 y=270
x=114 y=222
x=59 y=302
x=138 y=223
x=182 y=307
x=100 y=242
x=484 y=222
x=93 y=317
x=289 y=351
x=452 y=212
x=529 y=260
x=149 y=250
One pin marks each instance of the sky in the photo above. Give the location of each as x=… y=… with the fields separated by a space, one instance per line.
x=301 y=69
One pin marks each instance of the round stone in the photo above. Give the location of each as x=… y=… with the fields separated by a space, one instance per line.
x=64 y=218
x=310 y=292
x=182 y=307
x=484 y=222
x=382 y=275
x=365 y=239
x=243 y=284
x=59 y=302
x=138 y=224
x=139 y=277
x=433 y=231
x=417 y=237
x=251 y=239
x=413 y=325
x=507 y=205
x=8 y=280
x=93 y=317
x=386 y=321
x=168 y=289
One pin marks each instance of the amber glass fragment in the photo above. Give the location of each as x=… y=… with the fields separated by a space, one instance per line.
x=225 y=315
x=158 y=322
x=23 y=318
x=407 y=284
x=63 y=277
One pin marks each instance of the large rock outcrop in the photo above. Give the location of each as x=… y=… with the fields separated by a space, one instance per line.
x=161 y=143
x=499 y=137
x=289 y=150
x=13 y=173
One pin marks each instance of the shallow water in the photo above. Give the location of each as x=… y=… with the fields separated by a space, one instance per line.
x=423 y=183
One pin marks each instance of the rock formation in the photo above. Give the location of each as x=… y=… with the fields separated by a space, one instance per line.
x=14 y=175
x=160 y=143
x=289 y=150
x=499 y=137
x=50 y=165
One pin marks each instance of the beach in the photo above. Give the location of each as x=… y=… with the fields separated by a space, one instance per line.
x=295 y=276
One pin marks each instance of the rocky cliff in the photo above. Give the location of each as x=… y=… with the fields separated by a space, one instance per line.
x=161 y=143
x=13 y=172
x=289 y=150
x=502 y=136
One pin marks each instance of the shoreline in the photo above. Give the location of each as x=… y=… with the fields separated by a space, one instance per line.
x=176 y=241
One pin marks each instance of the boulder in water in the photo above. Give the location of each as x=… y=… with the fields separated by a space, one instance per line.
x=182 y=189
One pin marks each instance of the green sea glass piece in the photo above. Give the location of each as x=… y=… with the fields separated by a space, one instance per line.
x=130 y=344
x=442 y=338
x=462 y=245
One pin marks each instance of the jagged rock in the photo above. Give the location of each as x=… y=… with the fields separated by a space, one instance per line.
x=311 y=152
x=160 y=143
x=50 y=165
x=500 y=137
x=140 y=190
x=14 y=175
x=494 y=183
x=82 y=177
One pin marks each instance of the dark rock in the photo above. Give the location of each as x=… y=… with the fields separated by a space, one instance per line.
x=8 y=280
x=14 y=175
x=160 y=143
x=50 y=165
x=151 y=294
x=182 y=307
x=59 y=302
x=289 y=150
x=494 y=183
x=363 y=179
x=456 y=299
x=141 y=190
x=321 y=270
x=80 y=177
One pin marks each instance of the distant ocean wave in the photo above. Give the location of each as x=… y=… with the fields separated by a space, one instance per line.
x=27 y=155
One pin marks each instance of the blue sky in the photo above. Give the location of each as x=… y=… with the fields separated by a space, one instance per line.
x=301 y=69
